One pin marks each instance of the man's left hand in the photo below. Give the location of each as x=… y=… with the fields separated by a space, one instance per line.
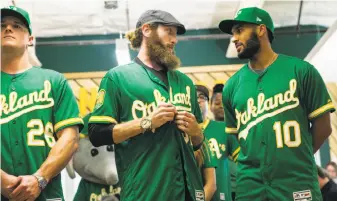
x=28 y=189
x=188 y=123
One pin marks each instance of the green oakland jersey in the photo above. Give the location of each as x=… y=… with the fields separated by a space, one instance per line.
x=34 y=106
x=89 y=191
x=209 y=160
x=272 y=114
x=151 y=166
x=222 y=146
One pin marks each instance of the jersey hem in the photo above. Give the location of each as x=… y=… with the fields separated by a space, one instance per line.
x=67 y=122
x=322 y=110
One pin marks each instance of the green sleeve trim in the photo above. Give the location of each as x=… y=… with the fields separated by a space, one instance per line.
x=68 y=122
x=102 y=119
x=322 y=110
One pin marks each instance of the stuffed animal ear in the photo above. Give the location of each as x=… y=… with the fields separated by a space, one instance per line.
x=33 y=59
x=70 y=169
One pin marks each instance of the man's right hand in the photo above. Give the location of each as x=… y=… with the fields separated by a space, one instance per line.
x=9 y=183
x=165 y=112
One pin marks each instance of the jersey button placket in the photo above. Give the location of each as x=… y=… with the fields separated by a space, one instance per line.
x=259 y=84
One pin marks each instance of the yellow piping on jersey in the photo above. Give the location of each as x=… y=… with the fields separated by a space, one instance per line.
x=204 y=124
x=321 y=110
x=236 y=153
x=108 y=119
x=70 y=121
x=235 y=158
x=231 y=130
x=83 y=136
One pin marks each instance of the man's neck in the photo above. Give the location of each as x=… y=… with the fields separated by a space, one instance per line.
x=143 y=56
x=14 y=64
x=264 y=58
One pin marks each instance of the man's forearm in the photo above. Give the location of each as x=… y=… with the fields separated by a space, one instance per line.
x=124 y=131
x=60 y=154
x=198 y=138
x=319 y=138
x=210 y=183
x=4 y=176
x=321 y=130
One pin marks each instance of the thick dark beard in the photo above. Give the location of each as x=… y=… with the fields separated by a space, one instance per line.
x=252 y=47
x=160 y=54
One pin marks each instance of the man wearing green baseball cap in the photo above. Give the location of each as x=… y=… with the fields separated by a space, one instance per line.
x=18 y=13
x=279 y=108
x=39 y=118
x=246 y=20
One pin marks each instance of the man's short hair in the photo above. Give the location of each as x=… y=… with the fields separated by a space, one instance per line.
x=217 y=89
x=200 y=86
x=322 y=173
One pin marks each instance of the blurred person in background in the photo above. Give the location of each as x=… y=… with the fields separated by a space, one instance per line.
x=331 y=167
x=327 y=186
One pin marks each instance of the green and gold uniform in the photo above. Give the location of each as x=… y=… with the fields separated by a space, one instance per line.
x=272 y=113
x=151 y=166
x=35 y=105
x=222 y=146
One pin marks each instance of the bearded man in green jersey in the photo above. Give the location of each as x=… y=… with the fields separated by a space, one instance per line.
x=149 y=110
x=39 y=117
x=279 y=108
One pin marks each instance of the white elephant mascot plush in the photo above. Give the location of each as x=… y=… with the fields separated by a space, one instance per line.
x=97 y=167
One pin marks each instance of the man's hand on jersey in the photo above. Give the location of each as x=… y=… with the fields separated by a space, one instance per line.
x=188 y=123
x=165 y=112
x=28 y=189
x=9 y=183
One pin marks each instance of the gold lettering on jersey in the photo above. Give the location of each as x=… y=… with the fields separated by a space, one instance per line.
x=15 y=104
x=98 y=197
x=181 y=98
x=214 y=147
x=264 y=106
x=182 y=101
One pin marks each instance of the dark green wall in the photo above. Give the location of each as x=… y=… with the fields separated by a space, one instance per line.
x=84 y=58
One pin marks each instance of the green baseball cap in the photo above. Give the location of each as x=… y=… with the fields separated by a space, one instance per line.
x=18 y=13
x=251 y=15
